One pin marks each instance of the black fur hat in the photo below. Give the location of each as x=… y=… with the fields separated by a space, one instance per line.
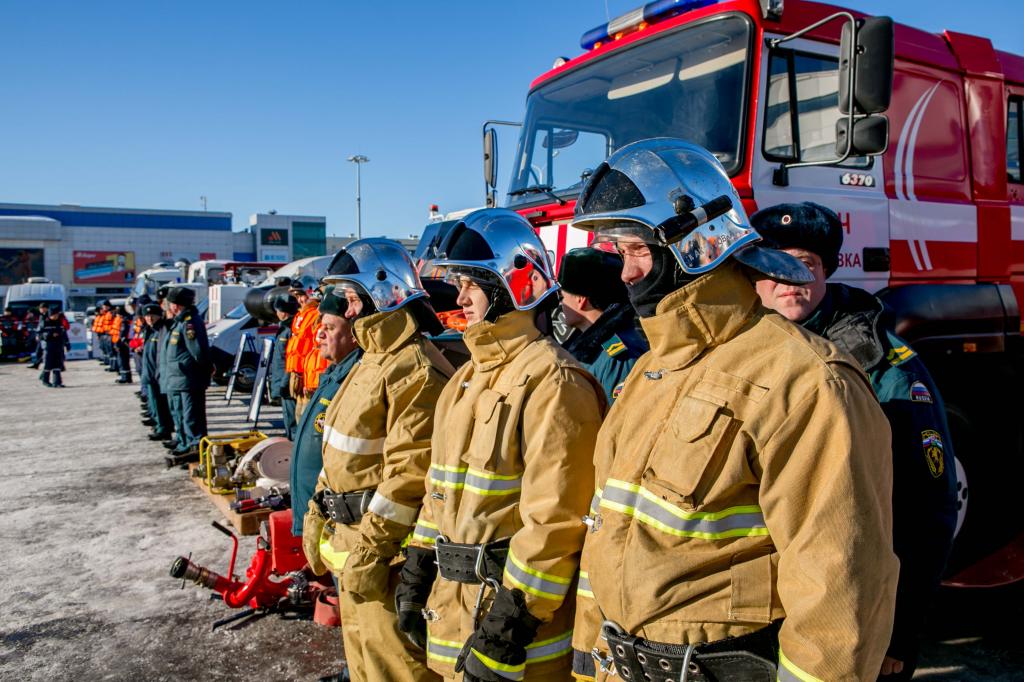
x=805 y=225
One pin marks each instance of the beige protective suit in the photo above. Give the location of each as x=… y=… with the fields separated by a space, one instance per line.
x=377 y=436
x=512 y=457
x=743 y=475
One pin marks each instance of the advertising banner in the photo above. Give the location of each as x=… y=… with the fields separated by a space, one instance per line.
x=17 y=265
x=104 y=267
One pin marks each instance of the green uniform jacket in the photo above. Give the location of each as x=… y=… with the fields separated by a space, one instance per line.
x=924 y=475
x=184 y=354
x=609 y=348
x=307 y=452
x=278 y=374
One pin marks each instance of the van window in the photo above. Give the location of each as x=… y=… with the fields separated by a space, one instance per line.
x=1014 y=138
x=802 y=107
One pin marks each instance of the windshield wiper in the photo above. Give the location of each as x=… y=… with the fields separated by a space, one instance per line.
x=538 y=189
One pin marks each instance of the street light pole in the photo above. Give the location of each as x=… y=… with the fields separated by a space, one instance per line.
x=358 y=160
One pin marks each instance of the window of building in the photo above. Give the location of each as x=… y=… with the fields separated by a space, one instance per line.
x=802 y=107
x=1014 y=138
x=308 y=239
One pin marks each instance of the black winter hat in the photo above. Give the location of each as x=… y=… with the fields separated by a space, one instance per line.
x=595 y=274
x=332 y=304
x=153 y=309
x=161 y=293
x=286 y=303
x=297 y=286
x=181 y=296
x=805 y=225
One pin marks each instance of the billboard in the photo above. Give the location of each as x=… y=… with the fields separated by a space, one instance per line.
x=104 y=267
x=273 y=237
x=17 y=265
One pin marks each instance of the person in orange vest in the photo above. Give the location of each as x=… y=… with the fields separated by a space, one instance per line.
x=301 y=343
x=99 y=328
x=312 y=367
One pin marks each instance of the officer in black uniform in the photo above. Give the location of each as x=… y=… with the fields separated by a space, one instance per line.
x=285 y=305
x=185 y=373
x=124 y=360
x=159 y=411
x=595 y=304
x=924 y=475
x=37 y=331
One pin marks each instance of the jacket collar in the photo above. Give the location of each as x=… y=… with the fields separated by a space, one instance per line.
x=385 y=332
x=704 y=313
x=587 y=345
x=850 y=318
x=492 y=344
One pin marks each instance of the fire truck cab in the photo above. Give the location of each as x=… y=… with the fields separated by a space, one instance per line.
x=934 y=224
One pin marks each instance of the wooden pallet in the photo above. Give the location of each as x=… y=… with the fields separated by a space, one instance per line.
x=245 y=524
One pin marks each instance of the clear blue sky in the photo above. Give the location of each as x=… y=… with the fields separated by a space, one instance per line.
x=257 y=104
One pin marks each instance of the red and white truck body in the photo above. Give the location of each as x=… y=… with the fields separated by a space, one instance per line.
x=935 y=224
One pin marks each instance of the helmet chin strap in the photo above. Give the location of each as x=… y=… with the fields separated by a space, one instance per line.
x=499 y=304
x=665 y=277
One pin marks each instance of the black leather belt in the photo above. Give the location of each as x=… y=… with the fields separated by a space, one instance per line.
x=749 y=658
x=346 y=508
x=471 y=564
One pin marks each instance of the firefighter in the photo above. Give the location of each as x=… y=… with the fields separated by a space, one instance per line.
x=376 y=450
x=510 y=473
x=99 y=329
x=337 y=346
x=741 y=527
x=924 y=477
x=185 y=373
x=54 y=337
x=595 y=305
x=285 y=307
x=301 y=342
x=158 y=409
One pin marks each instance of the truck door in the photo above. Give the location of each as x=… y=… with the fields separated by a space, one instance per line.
x=796 y=121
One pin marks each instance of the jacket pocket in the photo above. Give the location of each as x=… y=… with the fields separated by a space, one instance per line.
x=687 y=460
x=495 y=444
x=751 y=588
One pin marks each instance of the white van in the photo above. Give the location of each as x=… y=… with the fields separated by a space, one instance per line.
x=21 y=297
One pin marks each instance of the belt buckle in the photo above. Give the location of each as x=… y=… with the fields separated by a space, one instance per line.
x=364 y=502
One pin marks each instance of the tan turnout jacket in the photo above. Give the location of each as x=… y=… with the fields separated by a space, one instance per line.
x=743 y=476
x=377 y=435
x=512 y=457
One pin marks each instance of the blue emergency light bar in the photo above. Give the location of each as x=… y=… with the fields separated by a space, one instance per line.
x=649 y=13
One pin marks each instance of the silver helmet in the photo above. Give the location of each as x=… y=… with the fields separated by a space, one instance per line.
x=378 y=268
x=498 y=247
x=675 y=194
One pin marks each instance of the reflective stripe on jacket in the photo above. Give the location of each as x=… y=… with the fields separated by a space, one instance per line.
x=743 y=476
x=513 y=459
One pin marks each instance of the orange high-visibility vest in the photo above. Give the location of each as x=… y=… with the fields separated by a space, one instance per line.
x=313 y=367
x=115 y=329
x=302 y=341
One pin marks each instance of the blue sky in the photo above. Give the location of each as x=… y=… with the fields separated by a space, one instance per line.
x=257 y=104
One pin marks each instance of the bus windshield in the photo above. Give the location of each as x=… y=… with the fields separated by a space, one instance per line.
x=689 y=83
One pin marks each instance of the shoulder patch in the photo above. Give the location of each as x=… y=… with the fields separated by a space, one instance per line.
x=318 y=422
x=190 y=332
x=934 y=452
x=899 y=354
x=919 y=393
x=617 y=391
x=614 y=346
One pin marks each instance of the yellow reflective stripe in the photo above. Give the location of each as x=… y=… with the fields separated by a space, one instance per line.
x=538 y=574
x=549 y=649
x=425 y=531
x=325 y=402
x=535 y=582
x=474 y=480
x=443 y=650
x=583 y=587
x=493 y=477
x=511 y=672
x=791 y=672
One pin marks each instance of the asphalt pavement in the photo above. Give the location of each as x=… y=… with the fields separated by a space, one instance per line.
x=91 y=520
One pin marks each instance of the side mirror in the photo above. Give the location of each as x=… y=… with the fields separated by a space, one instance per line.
x=560 y=139
x=870 y=136
x=872 y=60
x=490 y=158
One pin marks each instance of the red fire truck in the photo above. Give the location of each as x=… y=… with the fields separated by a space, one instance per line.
x=934 y=224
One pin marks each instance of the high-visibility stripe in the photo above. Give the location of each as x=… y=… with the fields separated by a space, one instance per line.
x=443 y=650
x=583 y=586
x=791 y=672
x=535 y=582
x=334 y=559
x=595 y=501
x=325 y=402
x=393 y=511
x=648 y=508
x=508 y=672
x=353 y=444
x=425 y=532
x=474 y=480
x=549 y=648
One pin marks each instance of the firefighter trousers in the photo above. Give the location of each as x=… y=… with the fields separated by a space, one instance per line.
x=374 y=647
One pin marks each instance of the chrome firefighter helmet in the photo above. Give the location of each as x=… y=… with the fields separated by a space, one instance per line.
x=496 y=247
x=675 y=194
x=378 y=269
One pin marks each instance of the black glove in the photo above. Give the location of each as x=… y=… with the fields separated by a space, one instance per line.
x=417 y=579
x=502 y=638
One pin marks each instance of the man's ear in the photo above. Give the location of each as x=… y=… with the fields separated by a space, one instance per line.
x=585 y=304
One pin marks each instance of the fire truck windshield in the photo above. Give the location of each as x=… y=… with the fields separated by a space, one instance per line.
x=689 y=83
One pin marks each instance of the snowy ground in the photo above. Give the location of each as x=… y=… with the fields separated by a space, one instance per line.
x=90 y=521
x=89 y=525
